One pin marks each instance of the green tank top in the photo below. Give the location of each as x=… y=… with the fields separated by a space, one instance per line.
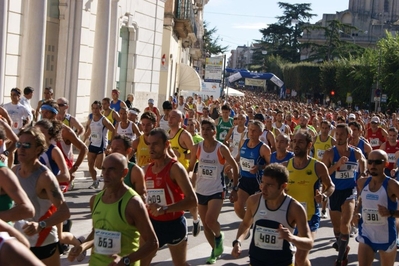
x=127 y=180
x=223 y=128
x=5 y=201
x=111 y=217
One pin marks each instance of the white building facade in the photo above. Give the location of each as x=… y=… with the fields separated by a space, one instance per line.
x=82 y=49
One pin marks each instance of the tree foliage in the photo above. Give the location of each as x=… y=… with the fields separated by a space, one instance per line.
x=211 y=43
x=281 y=38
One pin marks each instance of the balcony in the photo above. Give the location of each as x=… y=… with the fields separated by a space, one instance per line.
x=184 y=18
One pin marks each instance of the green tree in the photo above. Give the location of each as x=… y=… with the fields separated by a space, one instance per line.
x=211 y=43
x=281 y=38
x=335 y=46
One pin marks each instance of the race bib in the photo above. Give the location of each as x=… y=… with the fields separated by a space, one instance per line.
x=246 y=164
x=346 y=171
x=320 y=154
x=94 y=136
x=374 y=142
x=223 y=135
x=107 y=242
x=267 y=238
x=372 y=217
x=391 y=157
x=207 y=170
x=156 y=196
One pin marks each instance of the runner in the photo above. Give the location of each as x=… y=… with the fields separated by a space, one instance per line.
x=375 y=134
x=117 y=104
x=169 y=194
x=223 y=123
x=68 y=119
x=210 y=187
x=120 y=220
x=343 y=163
x=391 y=146
x=282 y=154
x=376 y=211
x=274 y=215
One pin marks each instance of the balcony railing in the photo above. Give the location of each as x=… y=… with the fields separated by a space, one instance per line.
x=184 y=18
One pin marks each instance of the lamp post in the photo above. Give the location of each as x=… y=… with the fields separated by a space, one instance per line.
x=264 y=53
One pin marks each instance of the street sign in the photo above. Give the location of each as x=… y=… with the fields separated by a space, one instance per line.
x=384 y=98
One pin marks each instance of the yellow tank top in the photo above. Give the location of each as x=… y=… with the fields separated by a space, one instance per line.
x=320 y=147
x=111 y=119
x=174 y=143
x=302 y=185
x=142 y=153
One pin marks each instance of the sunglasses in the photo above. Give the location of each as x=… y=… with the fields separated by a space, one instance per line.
x=377 y=162
x=62 y=104
x=25 y=145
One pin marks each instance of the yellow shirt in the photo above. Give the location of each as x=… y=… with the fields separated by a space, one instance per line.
x=142 y=153
x=302 y=184
x=111 y=119
x=174 y=143
x=320 y=147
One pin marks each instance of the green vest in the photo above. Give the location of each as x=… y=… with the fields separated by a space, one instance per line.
x=111 y=217
x=127 y=180
x=223 y=128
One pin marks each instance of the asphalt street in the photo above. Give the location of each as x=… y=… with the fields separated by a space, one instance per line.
x=198 y=248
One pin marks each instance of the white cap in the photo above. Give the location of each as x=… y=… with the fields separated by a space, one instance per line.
x=151 y=101
x=375 y=119
x=352 y=116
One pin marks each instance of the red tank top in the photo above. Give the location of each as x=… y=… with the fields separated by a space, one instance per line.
x=162 y=190
x=391 y=150
x=375 y=138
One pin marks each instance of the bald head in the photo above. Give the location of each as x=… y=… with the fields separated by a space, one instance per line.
x=378 y=154
x=116 y=159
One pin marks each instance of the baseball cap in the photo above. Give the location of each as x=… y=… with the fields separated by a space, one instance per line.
x=375 y=119
x=352 y=116
x=151 y=101
x=167 y=105
x=259 y=117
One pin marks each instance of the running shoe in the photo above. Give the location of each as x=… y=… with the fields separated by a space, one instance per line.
x=82 y=255
x=324 y=214
x=219 y=245
x=95 y=184
x=353 y=231
x=212 y=258
x=196 y=228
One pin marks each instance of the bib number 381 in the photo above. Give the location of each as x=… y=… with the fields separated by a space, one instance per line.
x=107 y=242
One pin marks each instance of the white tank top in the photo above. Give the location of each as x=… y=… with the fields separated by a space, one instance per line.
x=200 y=106
x=99 y=133
x=281 y=129
x=128 y=131
x=235 y=140
x=164 y=124
x=210 y=178
x=181 y=108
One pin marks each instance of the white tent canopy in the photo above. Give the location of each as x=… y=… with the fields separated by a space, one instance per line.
x=189 y=79
x=233 y=92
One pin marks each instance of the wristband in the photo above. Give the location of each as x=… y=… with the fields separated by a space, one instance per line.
x=235 y=242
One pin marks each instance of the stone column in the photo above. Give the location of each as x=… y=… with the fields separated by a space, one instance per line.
x=3 y=44
x=101 y=51
x=113 y=48
x=34 y=41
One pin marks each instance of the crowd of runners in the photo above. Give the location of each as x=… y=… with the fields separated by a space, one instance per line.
x=283 y=164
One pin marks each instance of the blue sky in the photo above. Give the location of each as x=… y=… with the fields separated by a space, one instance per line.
x=245 y=17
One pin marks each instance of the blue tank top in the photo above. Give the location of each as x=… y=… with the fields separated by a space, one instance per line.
x=273 y=157
x=47 y=160
x=250 y=157
x=115 y=106
x=346 y=175
x=360 y=145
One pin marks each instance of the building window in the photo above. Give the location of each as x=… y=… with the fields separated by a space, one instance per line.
x=386 y=6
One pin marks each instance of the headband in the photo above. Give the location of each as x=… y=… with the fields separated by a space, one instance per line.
x=49 y=108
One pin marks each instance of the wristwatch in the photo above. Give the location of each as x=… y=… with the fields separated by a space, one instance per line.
x=235 y=242
x=165 y=208
x=42 y=224
x=126 y=260
x=235 y=188
x=6 y=153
